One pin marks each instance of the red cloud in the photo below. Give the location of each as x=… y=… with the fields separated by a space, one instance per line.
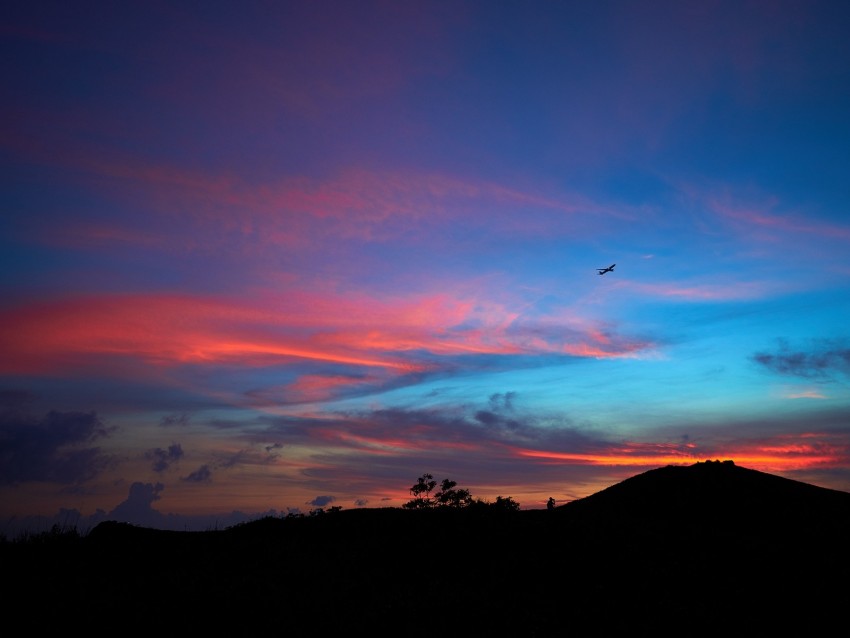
x=782 y=454
x=358 y=331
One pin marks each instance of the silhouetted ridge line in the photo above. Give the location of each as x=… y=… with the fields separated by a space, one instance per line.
x=710 y=542
x=714 y=494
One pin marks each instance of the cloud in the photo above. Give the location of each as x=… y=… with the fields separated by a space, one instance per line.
x=137 y=508
x=334 y=346
x=162 y=459
x=202 y=475
x=823 y=359
x=804 y=394
x=493 y=419
x=170 y=420
x=445 y=435
x=788 y=227
x=56 y=448
x=491 y=447
x=232 y=214
x=321 y=501
x=708 y=291
x=502 y=401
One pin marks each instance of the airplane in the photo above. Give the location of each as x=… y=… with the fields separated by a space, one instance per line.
x=610 y=268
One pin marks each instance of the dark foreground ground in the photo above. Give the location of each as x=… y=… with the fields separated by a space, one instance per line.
x=711 y=549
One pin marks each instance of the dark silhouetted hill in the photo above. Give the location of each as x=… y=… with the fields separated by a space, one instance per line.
x=712 y=548
x=715 y=497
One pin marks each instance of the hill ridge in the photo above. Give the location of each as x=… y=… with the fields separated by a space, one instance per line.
x=655 y=552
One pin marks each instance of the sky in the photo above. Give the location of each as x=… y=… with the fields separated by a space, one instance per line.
x=262 y=258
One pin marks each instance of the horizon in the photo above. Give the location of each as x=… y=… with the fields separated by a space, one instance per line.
x=139 y=514
x=264 y=259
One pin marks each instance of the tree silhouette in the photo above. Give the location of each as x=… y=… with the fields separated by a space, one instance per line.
x=448 y=496
x=506 y=503
x=422 y=492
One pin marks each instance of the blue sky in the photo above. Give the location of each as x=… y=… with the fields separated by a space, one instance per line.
x=268 y=257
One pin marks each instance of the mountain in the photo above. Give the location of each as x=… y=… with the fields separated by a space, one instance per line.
x=708 y=548
x=716 y=495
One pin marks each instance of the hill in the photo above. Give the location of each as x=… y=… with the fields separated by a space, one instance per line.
x=714 y=496
x=708 y=548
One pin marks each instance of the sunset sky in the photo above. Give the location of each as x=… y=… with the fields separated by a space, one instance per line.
x=269 y=257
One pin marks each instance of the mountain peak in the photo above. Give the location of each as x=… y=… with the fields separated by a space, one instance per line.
x=712 y=493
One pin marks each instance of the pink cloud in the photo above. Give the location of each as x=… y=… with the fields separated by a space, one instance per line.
x=788 y=226
x=804 y=394
x=732 y=291
x=315 y=387
x=167 y=330
x=199 y=210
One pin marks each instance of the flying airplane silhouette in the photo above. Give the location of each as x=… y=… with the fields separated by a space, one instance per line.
x=610 y=268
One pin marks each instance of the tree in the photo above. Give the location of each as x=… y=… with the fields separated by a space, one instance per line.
x=449 y=496
x=506 y=503
x=422 y=492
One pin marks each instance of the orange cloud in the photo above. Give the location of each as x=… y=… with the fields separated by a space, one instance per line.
x=804 y=394
x=784 y=455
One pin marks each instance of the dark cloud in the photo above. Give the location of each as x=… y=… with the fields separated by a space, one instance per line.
x=162 y=459
x=321 y=501
x=56 y=448
x=137 y=507
x=492 y=419
x=457 y=426
x=824 y=359
x=461 y=443
x=171 y=420
x=358 y=385
x=238 y=458
x=442 y=365
x=502 y=401
x=202 y=475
